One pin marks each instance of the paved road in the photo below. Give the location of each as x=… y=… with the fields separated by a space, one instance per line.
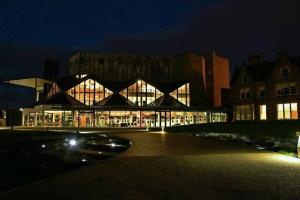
x=167 y=166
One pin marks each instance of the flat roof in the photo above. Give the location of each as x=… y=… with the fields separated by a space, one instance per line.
x=37 y=83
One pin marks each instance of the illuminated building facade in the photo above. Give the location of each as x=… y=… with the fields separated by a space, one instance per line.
x=121 y=90
x=265 y=90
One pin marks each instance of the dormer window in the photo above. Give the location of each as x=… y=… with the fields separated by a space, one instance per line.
x=285 y=73
x=244 y=78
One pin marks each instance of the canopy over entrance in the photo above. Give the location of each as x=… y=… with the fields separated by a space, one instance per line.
x=36 y=83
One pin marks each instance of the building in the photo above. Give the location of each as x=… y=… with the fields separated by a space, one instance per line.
x=266 y=90
x=203 y=71
x=2 y=118
x=125 y=90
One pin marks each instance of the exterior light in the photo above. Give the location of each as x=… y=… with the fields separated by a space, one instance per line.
x=43 y=146
x=21 y=109
x=260 y=148
x=163 y=130
x=298 y=144
x=286 y=159
x=84 y=160
x=112 y=144
x=72 y=142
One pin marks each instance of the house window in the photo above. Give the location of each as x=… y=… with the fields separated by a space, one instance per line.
x=244 y=78
x=262 y=92
x=286 y=89
x=245 y=93
x=287 y=111
x=244 y=112
x=285 y=73
x=262 y=112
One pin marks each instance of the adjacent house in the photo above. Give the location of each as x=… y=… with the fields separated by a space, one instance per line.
x=266 y=90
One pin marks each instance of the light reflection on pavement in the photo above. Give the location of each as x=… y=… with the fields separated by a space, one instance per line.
x=167 y=166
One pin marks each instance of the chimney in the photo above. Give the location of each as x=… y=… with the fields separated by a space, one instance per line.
x=281 y=53
x=254 y=59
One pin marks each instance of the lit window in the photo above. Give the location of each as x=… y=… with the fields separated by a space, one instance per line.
x=263 y=112
x=287 y=111
x=182 y=94
x=294 y=111
x=89 y=92
x=141 y=93
x=244 y=112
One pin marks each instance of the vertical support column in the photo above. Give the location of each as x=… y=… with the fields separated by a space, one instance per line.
x=140 y=118
x=23 y=116
x=170 y=118
x=109 y=118
x=35 y=118
x=63 y=117
x=73 y=119
x=36 y=92
x=155 y=118
x=165 y=118
x=43 y=117
x=78 y=120
x=28 y=116
x=93 y=116
x=159 y=119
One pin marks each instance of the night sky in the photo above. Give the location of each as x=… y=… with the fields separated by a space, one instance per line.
x=32 y=30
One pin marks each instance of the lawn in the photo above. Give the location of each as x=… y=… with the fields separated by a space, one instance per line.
x=273 y=135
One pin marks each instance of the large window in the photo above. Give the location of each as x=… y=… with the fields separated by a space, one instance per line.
x=244 y=112
x=287 y=111
x=262 y=112
x=182 y=94
x=141 y=93
x=89 y=92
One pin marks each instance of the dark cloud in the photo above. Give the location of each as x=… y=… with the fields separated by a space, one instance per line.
x=234 y=28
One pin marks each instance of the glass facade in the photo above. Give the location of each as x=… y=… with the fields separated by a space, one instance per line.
x=89 y=92
x=119 y=118
x=182 y=94
x=114 y=114
x=141 y=93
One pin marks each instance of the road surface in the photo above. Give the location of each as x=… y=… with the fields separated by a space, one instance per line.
x=169 y=166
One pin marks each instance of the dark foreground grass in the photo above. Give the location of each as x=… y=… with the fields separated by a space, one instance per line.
x=274 y=135
x=29 y=156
